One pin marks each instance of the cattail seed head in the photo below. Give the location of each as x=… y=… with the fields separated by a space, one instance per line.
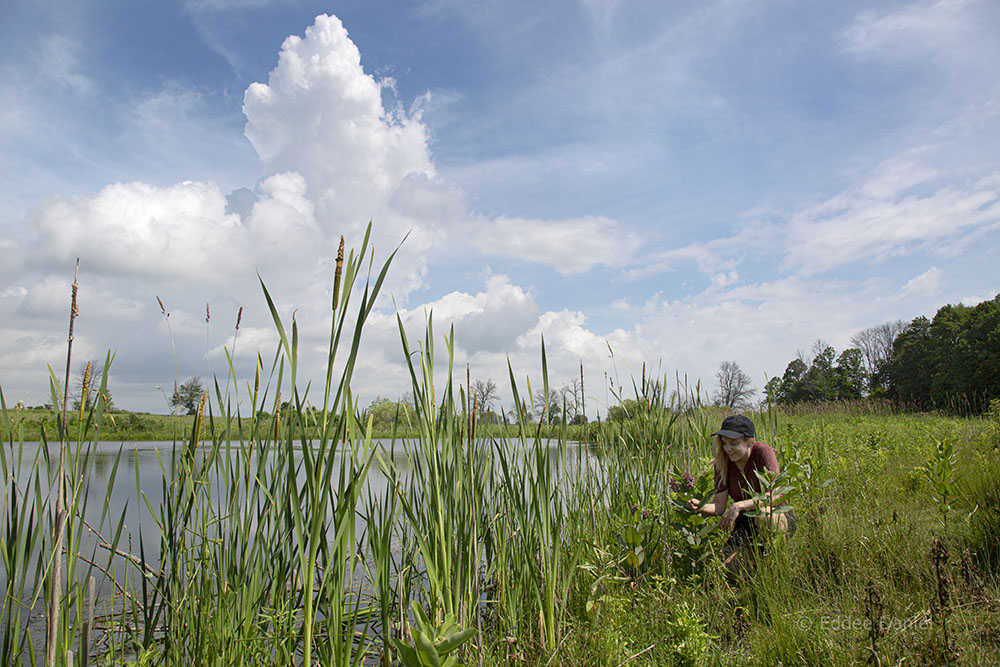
x=201 y=414
x=239 y=318
x=338 y=273
x=208 y=315
x=256 y=376
x=86 y=383
x=74 y=308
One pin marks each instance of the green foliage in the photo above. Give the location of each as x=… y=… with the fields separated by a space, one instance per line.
x=432 y=643
x=688 y=640
x=691 y=545
x=950 y=362
x=188 y=395
x=955 y=355
x=940 y=471
x=390 y=416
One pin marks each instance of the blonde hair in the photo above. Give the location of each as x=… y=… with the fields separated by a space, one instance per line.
x=720 y=460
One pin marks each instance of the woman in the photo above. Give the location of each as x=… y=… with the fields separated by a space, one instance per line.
x=737 y=456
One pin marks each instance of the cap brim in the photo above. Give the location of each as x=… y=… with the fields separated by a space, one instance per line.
x=730 y=434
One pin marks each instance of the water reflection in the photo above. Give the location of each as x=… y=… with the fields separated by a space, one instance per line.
x=126 y=492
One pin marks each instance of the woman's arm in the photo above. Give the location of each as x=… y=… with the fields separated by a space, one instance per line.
x=730 y=515
x=714 y=508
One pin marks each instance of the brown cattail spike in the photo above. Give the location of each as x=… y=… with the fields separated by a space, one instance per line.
x=86 y=382
x=338 y=273
x=201 y=414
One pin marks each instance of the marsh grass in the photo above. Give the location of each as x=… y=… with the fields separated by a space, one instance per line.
x=496 y=544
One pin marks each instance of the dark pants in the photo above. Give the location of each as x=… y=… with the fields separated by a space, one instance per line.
x=745 y=530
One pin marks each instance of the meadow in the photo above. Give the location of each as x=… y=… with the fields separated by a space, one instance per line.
x=497 y=550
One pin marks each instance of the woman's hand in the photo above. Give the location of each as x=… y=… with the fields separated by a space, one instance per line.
x=728 y=519
x=693 y=505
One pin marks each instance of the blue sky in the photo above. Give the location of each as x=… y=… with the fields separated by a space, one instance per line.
x=683 y=183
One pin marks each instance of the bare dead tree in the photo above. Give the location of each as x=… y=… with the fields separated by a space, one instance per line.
x=485 y=392
x=875 y=344
x=573 y=394
x=735 y=386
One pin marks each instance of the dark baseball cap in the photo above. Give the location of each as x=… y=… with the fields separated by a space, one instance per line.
x=736 y=426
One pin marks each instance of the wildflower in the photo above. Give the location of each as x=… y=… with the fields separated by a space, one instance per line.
x=685 y=483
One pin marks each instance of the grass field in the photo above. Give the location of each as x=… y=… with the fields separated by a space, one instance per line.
x=876 y=568
x=115 y=427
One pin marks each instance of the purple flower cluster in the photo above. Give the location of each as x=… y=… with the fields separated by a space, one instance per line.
x=685 y=483
x=645 y=513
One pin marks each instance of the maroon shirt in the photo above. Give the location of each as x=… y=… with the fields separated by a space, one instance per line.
x=743 y=483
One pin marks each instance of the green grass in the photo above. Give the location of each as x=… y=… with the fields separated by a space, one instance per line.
x=117 y=426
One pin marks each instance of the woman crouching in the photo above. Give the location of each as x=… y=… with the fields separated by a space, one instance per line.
x=737 y=456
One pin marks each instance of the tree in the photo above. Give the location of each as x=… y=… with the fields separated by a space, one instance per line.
x=910 y=367
x=628 y=409
x=875 y=345
x=735 y=386
x=983 y=333
x=793 y=387
x=386 y=413
x=772 y=390
x=821 y=381
x=552 y=406
x=572 y=396
x=850 y=372
x=952 y=361
x=188 y=395
x=484 y=393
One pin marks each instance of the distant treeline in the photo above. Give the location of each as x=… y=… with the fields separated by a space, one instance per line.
x=950 y=362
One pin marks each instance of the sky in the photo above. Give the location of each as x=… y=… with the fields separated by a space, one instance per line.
x=668 y=184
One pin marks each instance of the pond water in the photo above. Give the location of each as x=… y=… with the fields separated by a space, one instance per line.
x=126 y=495
x=138 y=484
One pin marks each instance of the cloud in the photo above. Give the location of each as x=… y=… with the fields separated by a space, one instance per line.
x=569 y=245
x=333 y=157
x=902 y=33
x=50 y=298
x=336 y=150
x=142 y=231
x=58 y=61
x=487 y=321
x=321 y=115
x=926 y=284
x=879 y=220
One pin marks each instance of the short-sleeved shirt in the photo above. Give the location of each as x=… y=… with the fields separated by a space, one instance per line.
x=742 y=484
